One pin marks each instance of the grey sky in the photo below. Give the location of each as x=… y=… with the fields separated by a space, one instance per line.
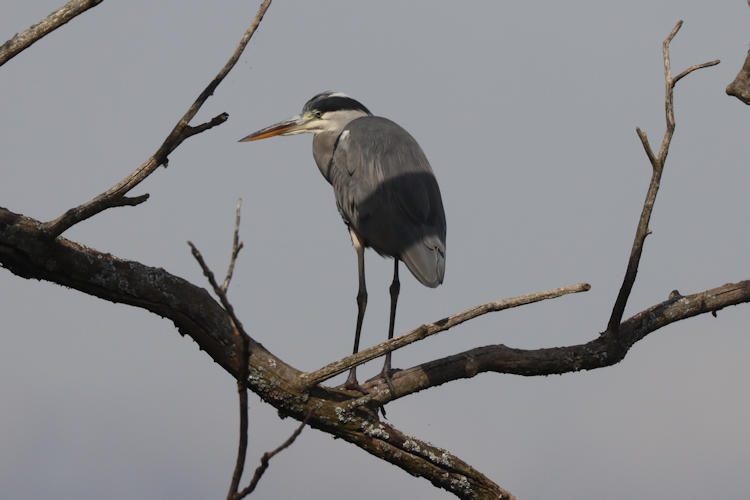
x=527 y=113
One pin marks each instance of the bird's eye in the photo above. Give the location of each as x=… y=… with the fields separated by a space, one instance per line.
x=317 y=114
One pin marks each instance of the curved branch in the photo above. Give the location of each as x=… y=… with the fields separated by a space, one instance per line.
x=606 y=350
x=26 y=251
x=26 y=38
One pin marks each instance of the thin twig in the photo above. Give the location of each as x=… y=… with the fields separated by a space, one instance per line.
x=241 y=341
x=647 y=147
x=267 y=456
x=311 y=379
x=657 y=164
x=26 y=38
x=236 y=247
x=181 y=131
x=189 y=131
x=239 y=465
x=217 y=289
x=695 y=67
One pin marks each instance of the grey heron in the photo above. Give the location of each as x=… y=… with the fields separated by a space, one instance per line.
x=385 y=191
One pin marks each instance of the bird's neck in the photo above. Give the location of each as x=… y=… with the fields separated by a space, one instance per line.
x=323 y=146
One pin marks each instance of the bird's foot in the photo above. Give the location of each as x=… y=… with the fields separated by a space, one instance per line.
x=351 y=384
x=386 y=374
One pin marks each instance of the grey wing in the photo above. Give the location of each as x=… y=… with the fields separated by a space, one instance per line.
x=386 y=191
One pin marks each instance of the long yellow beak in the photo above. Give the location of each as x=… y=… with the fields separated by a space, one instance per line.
x=276 y=129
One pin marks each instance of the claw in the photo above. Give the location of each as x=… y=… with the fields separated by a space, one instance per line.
x=352 y=384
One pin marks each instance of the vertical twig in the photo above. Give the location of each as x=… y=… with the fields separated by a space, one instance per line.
x=236 y=247
x=242 y=368
x=239 y=465
x=657 y=167
x=241 y=341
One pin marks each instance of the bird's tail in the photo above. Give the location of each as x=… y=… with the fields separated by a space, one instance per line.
x=426 y=260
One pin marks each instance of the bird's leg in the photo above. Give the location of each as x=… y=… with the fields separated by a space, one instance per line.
x=394 y=289
x=351 y=381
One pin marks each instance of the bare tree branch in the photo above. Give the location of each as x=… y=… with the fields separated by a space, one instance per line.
x=657 y=163
x=236 y=247
x=267 y=456
x=26 y=38
x=331 y=370
x=608 y=349
x=239 y=466
x=181 y=131
x=740 y=86
x=26 y=252
x=693 y=68
x=241 y=343
x=221 y=293
x=647 y=147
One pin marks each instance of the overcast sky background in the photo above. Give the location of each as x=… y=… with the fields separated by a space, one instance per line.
x=527 y=112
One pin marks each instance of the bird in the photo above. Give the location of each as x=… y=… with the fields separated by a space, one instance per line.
x=385 y=191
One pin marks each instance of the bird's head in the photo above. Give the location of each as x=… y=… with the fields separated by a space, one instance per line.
x=325 y=112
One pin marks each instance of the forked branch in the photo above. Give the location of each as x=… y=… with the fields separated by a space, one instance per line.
x=181 y=131
x=266 y=457
x=331 y=370
x=242 y=345
x=27 y=250
x=657 y=167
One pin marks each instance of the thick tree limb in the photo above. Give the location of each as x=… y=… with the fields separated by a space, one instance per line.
x=26 y=251
x=606 y=350
x=331 y=370
x=657 y=165
x=740 y=86
x=26 y=38
x=181 y=131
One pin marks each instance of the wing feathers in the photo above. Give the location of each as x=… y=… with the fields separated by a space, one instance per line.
x=386 y=191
